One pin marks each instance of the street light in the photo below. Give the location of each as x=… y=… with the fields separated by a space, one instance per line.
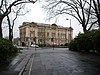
x=35 y=42
x=1 y=15
x=52 y=40
x=69 y=20
x=70 y=29
x=44 y=36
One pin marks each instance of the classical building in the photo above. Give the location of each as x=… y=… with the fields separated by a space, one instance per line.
x=39 y=33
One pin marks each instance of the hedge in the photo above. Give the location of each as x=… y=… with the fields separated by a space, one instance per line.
x=86 y=42
x=7 y=51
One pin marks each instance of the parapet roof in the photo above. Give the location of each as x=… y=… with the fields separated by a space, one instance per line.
x=43 y=24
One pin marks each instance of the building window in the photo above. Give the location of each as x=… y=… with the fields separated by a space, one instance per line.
x=53 y=35
x=32 y=33
x=47 y=34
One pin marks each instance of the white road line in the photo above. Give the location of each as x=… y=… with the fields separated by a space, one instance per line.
x=21 y=71
x=29 y=73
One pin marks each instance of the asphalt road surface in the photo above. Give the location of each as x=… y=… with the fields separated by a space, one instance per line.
x=46 y=61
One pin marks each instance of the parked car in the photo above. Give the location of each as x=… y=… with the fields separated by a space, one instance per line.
x=34 y=46
x=19 y=47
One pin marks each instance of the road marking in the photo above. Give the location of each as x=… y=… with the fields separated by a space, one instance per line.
x=29 y=73
x=24 y=67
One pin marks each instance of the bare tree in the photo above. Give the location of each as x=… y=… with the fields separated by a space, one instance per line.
x=79 y=9
x=16 y=11
x=6 y=7
x=97 y=10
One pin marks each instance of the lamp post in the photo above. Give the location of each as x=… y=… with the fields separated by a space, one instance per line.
x=69 y=20
x=1 y=18
x=70 y=30
x=52 y=39
x=35 y=42
x=44 y=36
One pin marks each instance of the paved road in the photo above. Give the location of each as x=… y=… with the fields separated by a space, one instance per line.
x=60 y=61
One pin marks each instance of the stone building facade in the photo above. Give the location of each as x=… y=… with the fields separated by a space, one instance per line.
x=39 y=33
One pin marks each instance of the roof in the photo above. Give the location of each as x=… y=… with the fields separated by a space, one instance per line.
x=43 y=24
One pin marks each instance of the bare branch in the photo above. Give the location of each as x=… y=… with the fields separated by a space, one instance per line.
x=6 y=8
x=92 y=25
x=1 y=4
x=75 y=8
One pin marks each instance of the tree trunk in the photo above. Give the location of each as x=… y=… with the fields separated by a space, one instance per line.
x=99 y=20
x=10 y=35
x=98 y=15
x=84 y=28
x=1 y=35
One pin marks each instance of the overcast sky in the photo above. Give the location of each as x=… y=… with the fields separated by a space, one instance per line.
x=37 y=14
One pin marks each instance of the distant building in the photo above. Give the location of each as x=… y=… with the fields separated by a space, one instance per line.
x=44 y=34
